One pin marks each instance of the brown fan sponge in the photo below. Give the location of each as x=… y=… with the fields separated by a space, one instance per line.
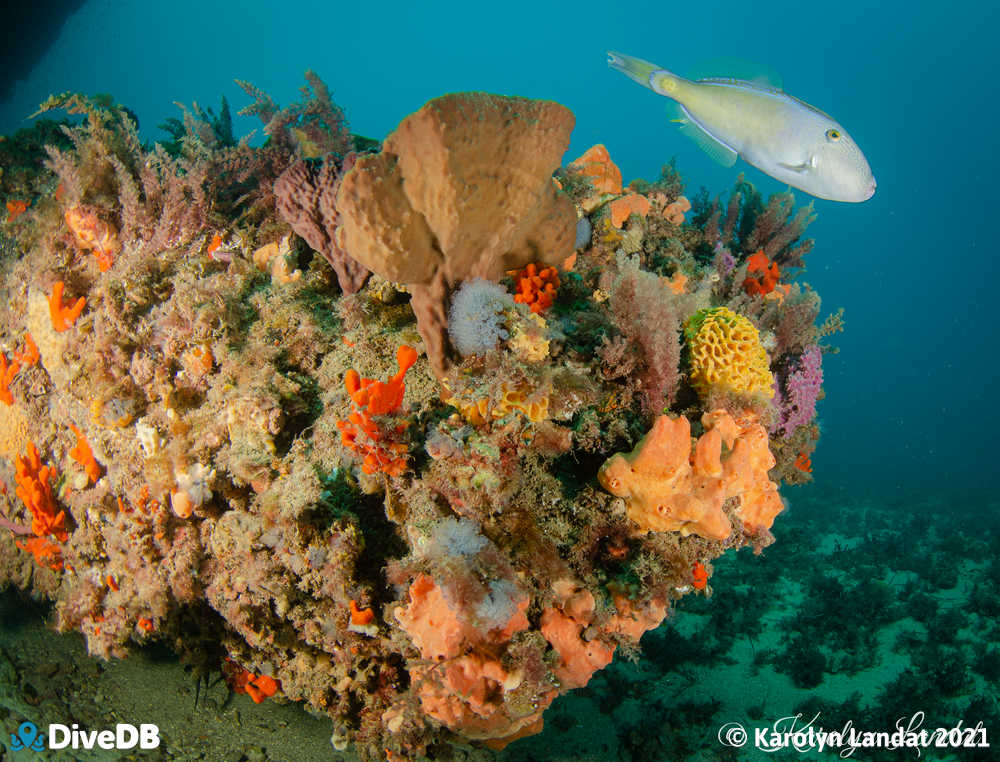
x=462 y=189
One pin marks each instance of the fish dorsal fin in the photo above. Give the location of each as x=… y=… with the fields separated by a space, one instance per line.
x=708 y=143
x=724 y=69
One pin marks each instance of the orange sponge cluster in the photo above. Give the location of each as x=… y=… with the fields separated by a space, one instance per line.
x=466 y=679
x=762 y=274
x=536 y=287
x=242 y=680
x=361 y=434
x=465 y=685
x=671 y=486
x=35 y=489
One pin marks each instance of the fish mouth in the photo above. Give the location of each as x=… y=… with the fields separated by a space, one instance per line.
x=870 y=190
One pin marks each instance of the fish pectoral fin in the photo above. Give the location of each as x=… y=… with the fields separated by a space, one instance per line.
x=800 y=168
x=708 y=143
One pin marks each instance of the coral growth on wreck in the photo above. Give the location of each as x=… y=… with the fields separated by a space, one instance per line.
x=420 y=435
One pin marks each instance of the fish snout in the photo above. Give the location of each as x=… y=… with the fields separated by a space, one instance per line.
x=871 y=189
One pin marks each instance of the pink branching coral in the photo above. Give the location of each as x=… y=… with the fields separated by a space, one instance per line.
x=795 y=399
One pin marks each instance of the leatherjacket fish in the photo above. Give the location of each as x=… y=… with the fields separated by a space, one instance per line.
x=780 y=135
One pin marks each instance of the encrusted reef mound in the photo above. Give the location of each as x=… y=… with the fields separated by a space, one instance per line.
x=420 y=435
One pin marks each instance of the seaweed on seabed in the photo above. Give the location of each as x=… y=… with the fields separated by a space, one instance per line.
x=213 y=130
x=157 y=199
x=312 y=128
x=22 y=155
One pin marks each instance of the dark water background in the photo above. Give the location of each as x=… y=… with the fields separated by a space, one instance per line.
x=910 y=407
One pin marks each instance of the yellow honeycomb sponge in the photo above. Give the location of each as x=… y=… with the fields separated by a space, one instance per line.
x=726 y=354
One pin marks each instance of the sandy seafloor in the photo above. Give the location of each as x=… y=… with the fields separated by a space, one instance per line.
x=716 y=660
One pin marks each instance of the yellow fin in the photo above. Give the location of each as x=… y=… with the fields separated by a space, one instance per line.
x=708 y=143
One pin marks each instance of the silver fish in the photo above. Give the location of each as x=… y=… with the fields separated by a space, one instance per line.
x=780 y=135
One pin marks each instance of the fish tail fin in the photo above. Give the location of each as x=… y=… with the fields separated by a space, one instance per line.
x=645 y=73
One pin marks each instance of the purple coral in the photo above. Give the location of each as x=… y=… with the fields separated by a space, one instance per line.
x=724 y=261
x=796 y=403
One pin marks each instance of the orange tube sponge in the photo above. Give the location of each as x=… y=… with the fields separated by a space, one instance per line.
x=746 y=476
x=661 y=490
x=669 y=488
x=83 y=455
x=8 y=370
x=361 y=434
x=63 y=317
x=35 y=489
x=45 y=552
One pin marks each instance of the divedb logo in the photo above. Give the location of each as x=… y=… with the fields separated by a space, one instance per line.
x=124 y=736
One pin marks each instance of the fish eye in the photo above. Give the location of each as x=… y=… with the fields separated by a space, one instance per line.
x=833 y=135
